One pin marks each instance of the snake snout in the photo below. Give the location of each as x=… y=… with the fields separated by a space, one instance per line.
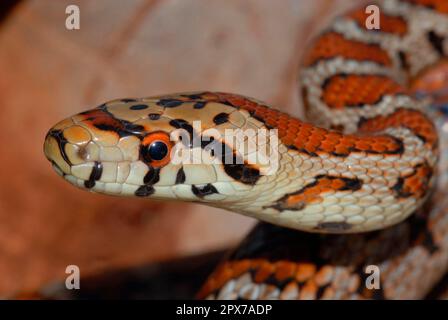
x=67 y=146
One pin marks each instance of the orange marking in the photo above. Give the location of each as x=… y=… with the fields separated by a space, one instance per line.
x=99 y=118
x=438 y=5
x=158 y=136
x=414 y=120
x=416 y=184
x=312 y=193
x=433 y=82
x=305 y=271
x=224 y=273
x=264 y=271
x=284 y=270
x=389 y=24
x=332 y=44
x=352 y=90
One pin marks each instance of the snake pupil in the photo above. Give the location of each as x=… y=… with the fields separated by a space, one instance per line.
x=157 y=151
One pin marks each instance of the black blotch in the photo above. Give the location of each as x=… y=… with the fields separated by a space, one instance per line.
x=154 y=116
x=208 y=144
x=321 y=290
x=334 y=226
x=95 y=175
x=180 y=176
x=203 y=191
x=428 y=242
x=169 y=103
x=144 y=191
x=221 y=118
x=351 y=184
x=139 y=107
x=193 y=96
x=152 y=176
x=281 y=203
x=182 y=124
x=60 y=139
x=199 y=104
x=398 y=188
x=128 y=100
x=242 y=173
x=123 y=128
x=436 y=41
x=403 y=60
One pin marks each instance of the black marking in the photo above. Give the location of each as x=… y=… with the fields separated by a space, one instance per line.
x=58 y=135
x=95 y=175
x=243 y=173
x=399 y=185
x=398 y=188
x=203 y=191
x=199 y=104
x=333 y=226
x=404 y=60
x=104 y=120
x=350 y=184
x=144 y=191
x=193 y=96
x=126 y=100
x=127 y=128
x=169 y=103
x=154 y=116
x=221 y=118
x=152 y=176
x=321 y=290
x=182 y=124
x=139 y=107
x=180 y=176
x=428 y=242
x=436 y=41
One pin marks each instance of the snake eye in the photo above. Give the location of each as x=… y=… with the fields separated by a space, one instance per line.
x=155 y=149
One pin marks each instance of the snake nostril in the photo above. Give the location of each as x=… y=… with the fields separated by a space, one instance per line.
x=83 y=153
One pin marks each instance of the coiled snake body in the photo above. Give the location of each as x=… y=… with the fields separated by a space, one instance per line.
x=367 y=163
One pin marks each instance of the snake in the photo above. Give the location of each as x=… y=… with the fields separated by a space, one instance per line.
x=352 y=180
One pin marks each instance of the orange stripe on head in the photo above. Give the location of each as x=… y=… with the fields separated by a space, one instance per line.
x=353 y=90
x=389 y=24
x=332 y=44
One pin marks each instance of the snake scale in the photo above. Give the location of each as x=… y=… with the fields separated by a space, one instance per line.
x=368 y=161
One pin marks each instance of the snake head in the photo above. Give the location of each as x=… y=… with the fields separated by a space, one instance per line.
x=137 y=147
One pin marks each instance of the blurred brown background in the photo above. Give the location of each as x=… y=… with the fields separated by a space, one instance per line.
x=126 y=49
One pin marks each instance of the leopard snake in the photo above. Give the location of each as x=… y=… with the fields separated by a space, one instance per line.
x=369 y=160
